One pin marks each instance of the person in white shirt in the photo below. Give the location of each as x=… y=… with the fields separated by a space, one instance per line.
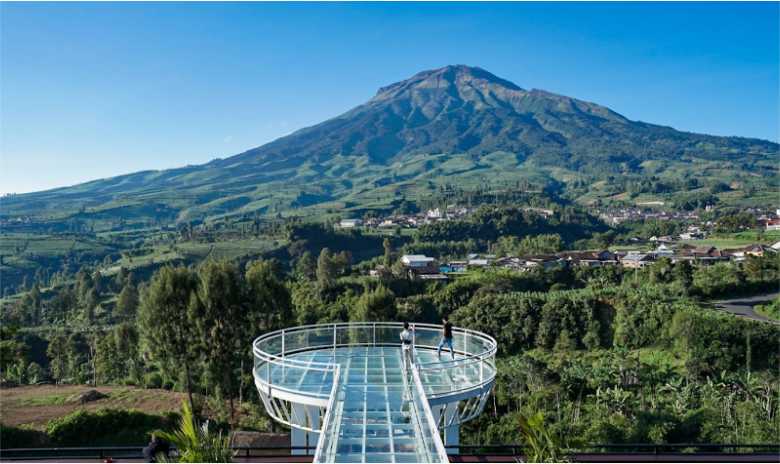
x=407 y=339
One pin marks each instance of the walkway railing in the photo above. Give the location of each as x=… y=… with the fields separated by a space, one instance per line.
x=428 y=430
x=476 y=353
x=617 y=452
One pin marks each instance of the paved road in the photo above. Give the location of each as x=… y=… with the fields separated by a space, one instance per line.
x=743 y=307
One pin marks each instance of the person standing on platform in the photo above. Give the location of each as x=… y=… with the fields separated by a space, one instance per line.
x=446 y=337
x=407 y=343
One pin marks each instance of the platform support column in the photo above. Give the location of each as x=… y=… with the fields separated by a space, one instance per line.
x=298 y=436
x=307 y=416
x=314 y=420
x=451 y=432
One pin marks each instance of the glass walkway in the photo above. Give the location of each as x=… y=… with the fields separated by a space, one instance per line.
x=369 y=406
x=380 y=412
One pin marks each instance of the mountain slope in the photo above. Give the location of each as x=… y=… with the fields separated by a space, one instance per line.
x=458 y=109
x=455 y=124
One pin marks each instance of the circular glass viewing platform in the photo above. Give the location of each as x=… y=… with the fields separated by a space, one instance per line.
x=349 y=381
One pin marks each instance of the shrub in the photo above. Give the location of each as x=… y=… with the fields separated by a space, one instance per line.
x=105 y=427
x=17 y=437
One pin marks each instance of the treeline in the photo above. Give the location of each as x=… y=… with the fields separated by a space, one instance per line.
x=624 y=318
x=488 y=223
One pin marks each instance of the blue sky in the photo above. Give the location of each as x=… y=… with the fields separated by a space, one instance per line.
x=95 y=90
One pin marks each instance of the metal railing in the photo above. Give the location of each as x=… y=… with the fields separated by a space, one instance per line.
x=327 y=438
x=428 y=431
x=476 y=352
x=623 y=449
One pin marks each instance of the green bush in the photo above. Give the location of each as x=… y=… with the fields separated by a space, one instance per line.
x=105 y=427
x=17 y=437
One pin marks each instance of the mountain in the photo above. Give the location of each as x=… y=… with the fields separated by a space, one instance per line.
x=456 y=125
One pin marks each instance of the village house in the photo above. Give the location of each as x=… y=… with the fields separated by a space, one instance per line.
x=542 y=261
x=588 y=258
x=773 y=224
x=741 y=254
x=510 y=262
x=476 y=260
x=350 y=223
x=663 y=251
x=701 y=255
x=419 y=265
x=434 y=214
x=636 y=260
x=454 y=267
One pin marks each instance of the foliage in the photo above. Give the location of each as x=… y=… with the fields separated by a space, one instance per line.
x=166 y=316
x=540 y=444
x=104 y=427
x=20 y=437
x=770 y=310
x=196 y=443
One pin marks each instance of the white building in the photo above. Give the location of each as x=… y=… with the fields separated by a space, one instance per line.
x=434 y=214
x=664 y=251
x=416 y=261
x=350 y=223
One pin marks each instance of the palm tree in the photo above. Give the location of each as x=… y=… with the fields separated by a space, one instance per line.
x=195 y=443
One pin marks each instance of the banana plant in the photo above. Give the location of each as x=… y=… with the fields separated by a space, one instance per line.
x=540 y=444
x=195 y=443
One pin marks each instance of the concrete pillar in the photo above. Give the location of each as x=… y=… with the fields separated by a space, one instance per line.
x=452 y=432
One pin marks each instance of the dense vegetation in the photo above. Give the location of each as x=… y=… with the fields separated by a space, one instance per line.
x=605 y=354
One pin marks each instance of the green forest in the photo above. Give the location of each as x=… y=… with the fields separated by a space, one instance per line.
x=606 y=355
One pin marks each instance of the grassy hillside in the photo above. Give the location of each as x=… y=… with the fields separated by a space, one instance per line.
x=33 y=406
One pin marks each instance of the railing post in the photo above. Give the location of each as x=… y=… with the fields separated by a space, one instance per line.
x=373 y=336
x=268 y=375
x=283 y=350
x=481 y=369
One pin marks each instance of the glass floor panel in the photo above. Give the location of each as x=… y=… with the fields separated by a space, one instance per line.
x=374 y=418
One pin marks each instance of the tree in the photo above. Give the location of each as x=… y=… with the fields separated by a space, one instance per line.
x=12 y=350
x=220 y=318
x=76 y=350
x=167 y=327
x=121 y=278
x=388 y=257
x=305 y=266
x=58 y=357
x=84 y=285
x=326 y=270
x=376 y=305
x=127 y=302
x=268 y=298
x=108 y=364
x=91 y=301
x=31 y=305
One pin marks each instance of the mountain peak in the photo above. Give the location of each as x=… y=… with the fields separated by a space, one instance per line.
x=448 y=77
